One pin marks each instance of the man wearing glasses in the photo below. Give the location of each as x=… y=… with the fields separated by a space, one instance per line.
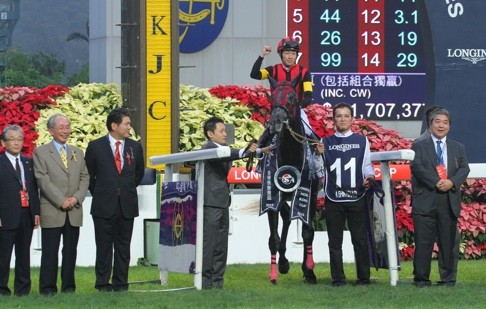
x=19 y=211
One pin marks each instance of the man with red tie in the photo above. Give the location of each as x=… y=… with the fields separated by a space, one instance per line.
x=19 y=211
x=116 y=167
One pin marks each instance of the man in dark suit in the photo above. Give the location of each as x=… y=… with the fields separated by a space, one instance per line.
x=116 y=167
x=19 y=211
x=438 y=170
x=457 y=241
x=216 y=203
x=63 y=181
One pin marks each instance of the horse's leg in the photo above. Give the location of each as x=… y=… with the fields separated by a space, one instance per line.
x=283 y=263
x=273 y=244
x=308 y=261
x=308 y=237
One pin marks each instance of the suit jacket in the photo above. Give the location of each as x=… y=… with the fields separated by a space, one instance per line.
x=425 y=176
x=216 y=188
x=107 y=186
x=10 y=186
x=56 y=183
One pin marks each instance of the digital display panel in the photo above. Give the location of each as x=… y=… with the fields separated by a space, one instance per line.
x=368 y=53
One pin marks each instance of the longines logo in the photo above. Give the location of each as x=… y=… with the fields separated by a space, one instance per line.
x=200 y=23
x=470 y=54
x=344 y=147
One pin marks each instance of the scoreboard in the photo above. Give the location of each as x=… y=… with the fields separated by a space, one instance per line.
x=368 y=53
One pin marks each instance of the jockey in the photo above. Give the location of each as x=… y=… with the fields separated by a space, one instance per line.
x=288 y=50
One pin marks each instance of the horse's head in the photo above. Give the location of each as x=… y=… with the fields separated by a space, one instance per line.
x=285 y=104
x=278 y=118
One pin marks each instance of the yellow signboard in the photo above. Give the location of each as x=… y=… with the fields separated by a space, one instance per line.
x=158 y=77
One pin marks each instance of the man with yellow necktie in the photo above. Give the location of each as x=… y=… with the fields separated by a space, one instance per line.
x=63 y=181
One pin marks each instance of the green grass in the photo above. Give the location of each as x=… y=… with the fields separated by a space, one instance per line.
x=247 y=286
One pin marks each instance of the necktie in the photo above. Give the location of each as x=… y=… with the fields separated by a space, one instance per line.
x=17 y=168
x=63 y=157
x=118 y=157
x=440 y=160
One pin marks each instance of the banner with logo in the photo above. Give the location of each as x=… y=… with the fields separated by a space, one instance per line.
x=301 y=197
x=178 y=213
x=271 y=196
x=457 y=45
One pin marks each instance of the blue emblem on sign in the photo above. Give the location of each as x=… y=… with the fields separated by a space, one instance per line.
x=200 y=23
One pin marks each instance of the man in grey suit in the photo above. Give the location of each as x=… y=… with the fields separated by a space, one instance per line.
x=438 y=170
x=63 y=181
x=216 y=203
x=457 y=241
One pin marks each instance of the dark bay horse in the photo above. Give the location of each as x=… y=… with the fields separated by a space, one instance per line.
x=286 y=133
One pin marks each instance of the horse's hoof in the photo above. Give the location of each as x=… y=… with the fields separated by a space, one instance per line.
x=310 y=277
x=283 y=265
x=274 y=282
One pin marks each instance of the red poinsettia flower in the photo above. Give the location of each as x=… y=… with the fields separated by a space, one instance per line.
x=21 y=105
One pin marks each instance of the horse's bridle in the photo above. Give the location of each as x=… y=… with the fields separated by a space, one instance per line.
x=295 y=135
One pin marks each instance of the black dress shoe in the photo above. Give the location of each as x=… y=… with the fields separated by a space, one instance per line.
x=5 y=293
x=338 y=283
x=120 y=288
x=446 y=283
x=363 y=282
x=104 y=288
x=422 y=284
x=68 y=290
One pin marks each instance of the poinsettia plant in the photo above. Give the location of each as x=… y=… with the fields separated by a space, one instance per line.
x=255 y=97
x=197 y=104
x=22 y=106
x=86 y=106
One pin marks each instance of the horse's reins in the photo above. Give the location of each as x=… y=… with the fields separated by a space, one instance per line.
x=301 y=138
x=251 y=155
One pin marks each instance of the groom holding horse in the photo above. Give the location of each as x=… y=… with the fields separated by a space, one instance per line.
x=349 y=173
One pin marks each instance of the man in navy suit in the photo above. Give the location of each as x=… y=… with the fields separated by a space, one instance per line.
x=439 y=169
x=19 y=211
x=116 y=167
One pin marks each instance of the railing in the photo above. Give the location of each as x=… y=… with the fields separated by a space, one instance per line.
x=200 y=155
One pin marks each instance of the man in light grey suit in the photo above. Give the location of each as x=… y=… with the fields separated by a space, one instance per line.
x=63 y=181
x=438 y=170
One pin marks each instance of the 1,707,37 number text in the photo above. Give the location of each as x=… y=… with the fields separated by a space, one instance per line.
x=391 y=111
